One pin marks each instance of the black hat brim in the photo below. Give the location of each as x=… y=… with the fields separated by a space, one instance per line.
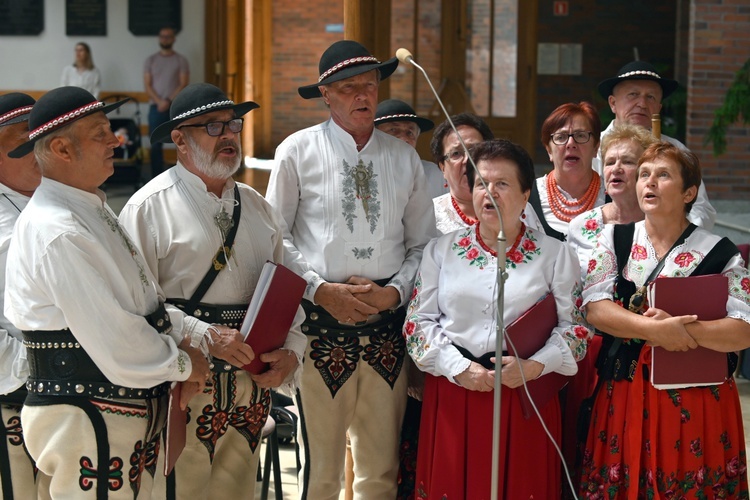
x=424 y=124
x=606 y=87
x=28 y=146
x=18 y=119
x=163 y=133
x=386 y=69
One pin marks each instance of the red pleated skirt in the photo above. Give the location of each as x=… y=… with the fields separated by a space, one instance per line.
x=454 y=460
x=664 y=444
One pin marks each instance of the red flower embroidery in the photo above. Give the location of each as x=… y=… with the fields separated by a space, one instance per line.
x=464 y=242
x=614 y=473
x=529 y=245
x=684 y=259
x=745 y=284
x=592 y=265
x=638 y=252
x=516 y=257
x=413 y=293
x=409 y=328
x=592 y=225
x=580 y=332
x=472 y=254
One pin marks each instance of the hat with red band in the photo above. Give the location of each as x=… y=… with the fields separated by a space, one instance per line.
x=15 y=108
x=59 y=108
x=344 y=59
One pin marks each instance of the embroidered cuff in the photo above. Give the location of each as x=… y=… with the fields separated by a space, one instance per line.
x=313 y=282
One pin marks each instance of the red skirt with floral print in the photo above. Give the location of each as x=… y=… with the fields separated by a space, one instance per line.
x=662 y=444
x=454 y=458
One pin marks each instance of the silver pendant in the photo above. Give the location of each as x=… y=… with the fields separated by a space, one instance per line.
x=224 y=221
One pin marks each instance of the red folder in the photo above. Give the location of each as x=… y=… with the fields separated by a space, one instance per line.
x=705 y=296
x=176 y=430
x=271 y=312
x=529 y=333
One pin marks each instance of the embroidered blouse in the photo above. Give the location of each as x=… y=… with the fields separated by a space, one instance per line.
x=454 y=301
x=681 y=261
x=583 y=233
x=351 y=213
x=71 y=265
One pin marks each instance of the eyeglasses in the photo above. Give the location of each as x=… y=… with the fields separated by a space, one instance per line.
x=215 y=129
x=561 y=138
x=455 y=156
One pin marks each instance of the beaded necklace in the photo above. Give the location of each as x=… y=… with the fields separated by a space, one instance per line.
x=557 y=199
x=510 y=250
x=467 y=220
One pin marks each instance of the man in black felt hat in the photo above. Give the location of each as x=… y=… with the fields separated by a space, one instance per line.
x=18 y=180
x=397 y=118
x=356 y=216
x=183 y=221
x=101 y=346
x=634 y=95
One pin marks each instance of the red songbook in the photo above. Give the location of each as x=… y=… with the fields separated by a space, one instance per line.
x=529 y=333
x=705 y=296
x=176 y=430
x=271 y=312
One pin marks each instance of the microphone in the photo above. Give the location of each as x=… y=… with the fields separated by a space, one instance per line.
x=405 y=56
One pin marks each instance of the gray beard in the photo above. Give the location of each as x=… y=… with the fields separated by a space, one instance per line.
x=209 y=165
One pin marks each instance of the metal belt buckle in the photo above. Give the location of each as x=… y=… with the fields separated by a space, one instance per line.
x=219 y=265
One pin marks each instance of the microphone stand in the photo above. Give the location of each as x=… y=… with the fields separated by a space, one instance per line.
x=405 y=56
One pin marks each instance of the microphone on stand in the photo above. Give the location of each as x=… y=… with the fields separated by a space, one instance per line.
x=406 y=57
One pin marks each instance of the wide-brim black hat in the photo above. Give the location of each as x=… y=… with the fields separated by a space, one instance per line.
x=15 y=108
x=396 y=110
x=344 y=59
x=195 y=100
x=637 y=70
x=59 y=108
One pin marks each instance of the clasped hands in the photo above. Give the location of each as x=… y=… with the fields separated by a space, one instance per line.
x=478 y=378
x=355 y=300
x=671 y=332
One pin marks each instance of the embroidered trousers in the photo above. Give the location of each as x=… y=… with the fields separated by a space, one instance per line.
x=225 y=423
x=23 y=483
x=362 y=402
x=67 y=442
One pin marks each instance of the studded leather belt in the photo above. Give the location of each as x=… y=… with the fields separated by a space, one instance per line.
x=230 y=315
x=320 y=323
x=59 y=366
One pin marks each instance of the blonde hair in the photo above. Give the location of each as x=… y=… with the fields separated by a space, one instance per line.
x=627 y=132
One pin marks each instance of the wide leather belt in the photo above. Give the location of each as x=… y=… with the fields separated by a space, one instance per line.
x=16 y=397
x=230 y=315
x=320 y=323
x=59 y=366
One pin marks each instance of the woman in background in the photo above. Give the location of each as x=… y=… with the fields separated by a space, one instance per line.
x=570 y=134
x=82 y=73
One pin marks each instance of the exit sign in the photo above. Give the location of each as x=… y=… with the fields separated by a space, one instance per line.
x=560 y=8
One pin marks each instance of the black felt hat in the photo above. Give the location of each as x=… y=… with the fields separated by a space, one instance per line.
x=58 y=108
x=195 y=100
x=396 y=110
x=15 y=108
x=637 y=70
x=344 y=59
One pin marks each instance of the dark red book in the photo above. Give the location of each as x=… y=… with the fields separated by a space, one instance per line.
x=528 y=333
x=176 y=430
x=271 y=312
x=707 y=297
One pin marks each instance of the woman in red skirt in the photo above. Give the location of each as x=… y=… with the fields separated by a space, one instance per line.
x=450 y=334
x=645 y=442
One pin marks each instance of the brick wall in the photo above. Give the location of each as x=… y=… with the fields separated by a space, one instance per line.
x=299 y=39
x=719 y=46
